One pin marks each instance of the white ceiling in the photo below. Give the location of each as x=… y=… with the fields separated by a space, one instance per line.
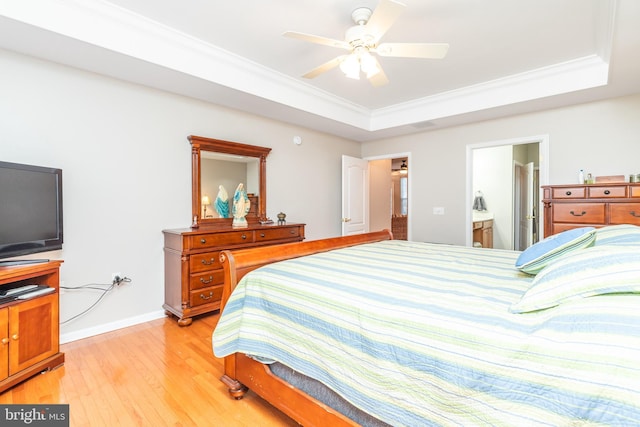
x=505 y=57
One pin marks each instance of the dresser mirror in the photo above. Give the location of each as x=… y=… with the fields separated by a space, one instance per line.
x=216 y=163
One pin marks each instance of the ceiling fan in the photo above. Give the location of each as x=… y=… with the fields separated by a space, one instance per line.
x=362 y=40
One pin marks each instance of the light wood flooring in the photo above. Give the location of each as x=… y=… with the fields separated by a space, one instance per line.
x=153 y=374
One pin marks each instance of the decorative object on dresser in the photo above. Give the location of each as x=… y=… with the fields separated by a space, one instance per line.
x=222 y=202
x=29 y=321
x=193 y=273
x=241 y=207
x=595 y=205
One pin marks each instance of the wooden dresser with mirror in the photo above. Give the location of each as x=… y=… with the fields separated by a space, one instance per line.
x=192 y=270
x=590 y=205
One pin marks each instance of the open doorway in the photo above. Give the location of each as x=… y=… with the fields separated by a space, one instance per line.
x=389 y=194
x=495 y=170
x=399 y=198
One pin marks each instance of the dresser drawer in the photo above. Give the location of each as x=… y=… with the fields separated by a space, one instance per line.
x=582 y=213
x=206 y=279
x=204 y=262
x=569 y=193
x=624 y=213
x=634 y=191
x=221 y=239
x=277 y=234
x=604 y=192
x=205 y=296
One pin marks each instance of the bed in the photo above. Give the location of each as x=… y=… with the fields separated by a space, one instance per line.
x=410 y=333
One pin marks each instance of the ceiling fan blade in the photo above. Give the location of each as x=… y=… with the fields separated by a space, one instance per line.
x=380 y=78
x=317 y=39
x=324 y=67
x=413 y=50
x=383 y=18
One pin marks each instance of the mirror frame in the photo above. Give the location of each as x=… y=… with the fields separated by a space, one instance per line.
x=200 y=143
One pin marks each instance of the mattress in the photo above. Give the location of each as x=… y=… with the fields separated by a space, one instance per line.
x=423 y=334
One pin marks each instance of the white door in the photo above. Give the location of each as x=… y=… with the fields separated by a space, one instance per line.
x=526 y=214
x=355 y=196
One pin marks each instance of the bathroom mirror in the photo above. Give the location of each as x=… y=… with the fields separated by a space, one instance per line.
x=217 y=162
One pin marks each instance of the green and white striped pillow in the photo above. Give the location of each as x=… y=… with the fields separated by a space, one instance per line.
x=622 y=234
x=593 y=271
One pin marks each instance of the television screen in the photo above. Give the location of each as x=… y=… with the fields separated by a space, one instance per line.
x=30 y=209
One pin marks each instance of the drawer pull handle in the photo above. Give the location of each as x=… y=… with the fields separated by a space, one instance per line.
x=203 y=296
x=568 y=193
x=292 y=232
x=607 y=192
x=203 y=241
x=633 y=213
x=244 y=236
x=211 y=261
x=205 y=281
x=261 y=234
x=580 y=214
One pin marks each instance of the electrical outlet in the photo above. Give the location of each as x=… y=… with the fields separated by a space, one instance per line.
x=438 y=211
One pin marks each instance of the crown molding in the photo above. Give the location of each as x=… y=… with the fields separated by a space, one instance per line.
x=108 y=26
x=579 y=74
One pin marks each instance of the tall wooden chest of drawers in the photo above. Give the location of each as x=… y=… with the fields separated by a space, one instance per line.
x=193 y=275
x=590 y=205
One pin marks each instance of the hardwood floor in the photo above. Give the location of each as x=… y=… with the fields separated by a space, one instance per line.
x=153 y=374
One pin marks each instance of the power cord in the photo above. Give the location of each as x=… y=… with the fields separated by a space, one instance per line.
x=105 y=288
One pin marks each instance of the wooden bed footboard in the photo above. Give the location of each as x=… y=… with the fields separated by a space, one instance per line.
x=242 y=372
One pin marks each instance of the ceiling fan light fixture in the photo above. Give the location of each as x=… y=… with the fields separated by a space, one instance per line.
x=351 y=67
x=368 y=65
x=363 y=39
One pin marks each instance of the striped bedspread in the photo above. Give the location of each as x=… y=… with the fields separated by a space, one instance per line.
x=421 y=334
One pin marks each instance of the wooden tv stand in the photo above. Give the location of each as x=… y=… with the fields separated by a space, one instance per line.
x=30 y=328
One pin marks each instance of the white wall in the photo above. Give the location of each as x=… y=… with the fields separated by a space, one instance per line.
x=600 y=137
x=127 y=175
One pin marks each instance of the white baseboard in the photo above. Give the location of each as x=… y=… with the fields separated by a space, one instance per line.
x=108 y=327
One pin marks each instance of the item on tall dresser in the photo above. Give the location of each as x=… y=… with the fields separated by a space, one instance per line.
x=222 y=202
x=281 y=218
x=241 y=206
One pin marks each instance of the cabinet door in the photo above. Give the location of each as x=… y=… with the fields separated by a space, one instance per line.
x=4 y=343
x=33 y=332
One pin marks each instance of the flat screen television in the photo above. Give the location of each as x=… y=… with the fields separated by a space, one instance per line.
x=30 y=210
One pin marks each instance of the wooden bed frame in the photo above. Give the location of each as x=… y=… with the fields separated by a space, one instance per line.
x=241 y=372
